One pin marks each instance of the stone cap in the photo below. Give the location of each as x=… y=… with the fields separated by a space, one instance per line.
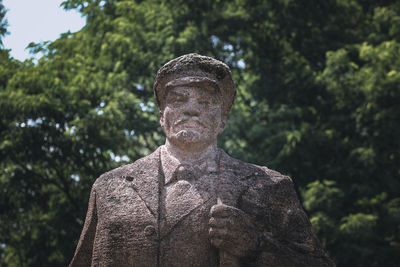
x=195 y=70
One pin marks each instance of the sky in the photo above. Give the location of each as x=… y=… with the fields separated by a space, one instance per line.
x=37 y=21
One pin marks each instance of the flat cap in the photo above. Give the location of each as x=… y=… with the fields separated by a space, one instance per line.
x=195 y=70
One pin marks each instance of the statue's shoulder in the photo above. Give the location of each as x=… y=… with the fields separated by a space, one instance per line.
x=131 y=170
x=249 y=172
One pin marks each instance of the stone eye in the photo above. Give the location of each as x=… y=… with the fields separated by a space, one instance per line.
x=178 y=99
x=205 y=103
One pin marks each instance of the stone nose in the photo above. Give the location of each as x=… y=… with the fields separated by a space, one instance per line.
x=192 y=108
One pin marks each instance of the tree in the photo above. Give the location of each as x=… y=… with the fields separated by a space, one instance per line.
x=317 y=94
x=324 y=123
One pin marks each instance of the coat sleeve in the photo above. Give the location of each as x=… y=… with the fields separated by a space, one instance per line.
x=84 y=249
x=286 y=237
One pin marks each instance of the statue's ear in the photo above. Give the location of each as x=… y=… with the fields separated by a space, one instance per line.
x=161 y=118
x=222 y=125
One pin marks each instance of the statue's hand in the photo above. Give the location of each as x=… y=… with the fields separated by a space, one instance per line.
x=232 y=230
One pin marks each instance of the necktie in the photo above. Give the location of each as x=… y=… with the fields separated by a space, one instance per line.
x=186 y=172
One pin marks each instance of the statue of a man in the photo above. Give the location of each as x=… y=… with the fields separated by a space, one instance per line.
x=189 y=203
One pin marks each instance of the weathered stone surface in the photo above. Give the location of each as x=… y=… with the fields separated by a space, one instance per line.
x=189 y=203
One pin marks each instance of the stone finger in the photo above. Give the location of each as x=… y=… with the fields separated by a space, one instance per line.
x=219 y=222
x=221 y=210
x=218 y=232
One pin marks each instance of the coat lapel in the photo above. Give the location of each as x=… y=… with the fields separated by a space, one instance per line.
x=233 y=179
x=146 y=176
x=179 y=201
x=147 y=180
x=183 y=198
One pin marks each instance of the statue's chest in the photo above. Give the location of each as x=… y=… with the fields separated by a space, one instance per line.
x=185 y=200
x=121 y=207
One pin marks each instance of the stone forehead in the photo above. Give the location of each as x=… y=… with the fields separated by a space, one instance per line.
x=195 y=67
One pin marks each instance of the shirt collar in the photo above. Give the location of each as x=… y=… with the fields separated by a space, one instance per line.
x=170 y=164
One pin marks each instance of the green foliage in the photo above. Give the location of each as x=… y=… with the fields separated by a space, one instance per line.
x=3 y=21
x=357 y=224
x=317 y=99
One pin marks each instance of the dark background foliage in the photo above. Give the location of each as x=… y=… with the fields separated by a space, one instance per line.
x=318 y=99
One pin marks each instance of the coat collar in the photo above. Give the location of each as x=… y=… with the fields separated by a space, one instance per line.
x=147 y=179
x=170 y=164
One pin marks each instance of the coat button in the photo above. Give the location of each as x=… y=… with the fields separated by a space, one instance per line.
x=149 y=230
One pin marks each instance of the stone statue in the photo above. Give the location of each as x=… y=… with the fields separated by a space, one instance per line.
x=189 y=203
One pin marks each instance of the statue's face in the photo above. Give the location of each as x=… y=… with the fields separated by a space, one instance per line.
x=192 y=115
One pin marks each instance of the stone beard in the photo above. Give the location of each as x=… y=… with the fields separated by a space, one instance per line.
x=189 y=203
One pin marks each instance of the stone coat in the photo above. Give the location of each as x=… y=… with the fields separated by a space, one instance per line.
x=123 y=226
